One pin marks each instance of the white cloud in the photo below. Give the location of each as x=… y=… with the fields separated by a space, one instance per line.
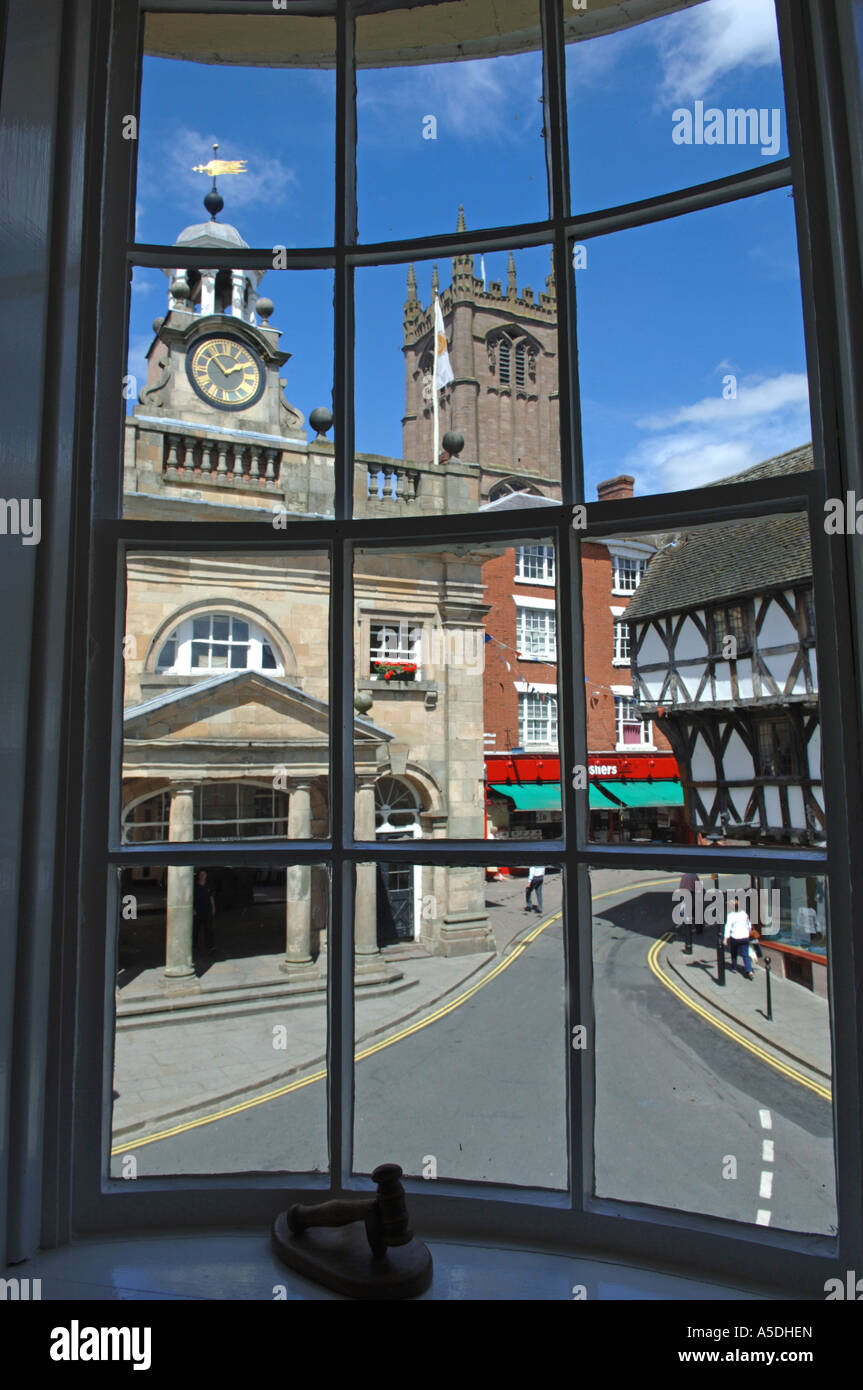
x=787 y=391
x=471 y=98
x=713 y=438
x=700 y=46
x=268 y=180
x=696 y=48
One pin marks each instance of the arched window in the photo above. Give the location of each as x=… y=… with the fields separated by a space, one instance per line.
x=520 y=352
x=397 y=810
x=210 y=642
x=510 y=485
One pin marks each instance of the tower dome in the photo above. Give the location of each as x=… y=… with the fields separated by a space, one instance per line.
x=225 y=291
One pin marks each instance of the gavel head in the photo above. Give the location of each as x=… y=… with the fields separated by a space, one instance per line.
x=392 y=1204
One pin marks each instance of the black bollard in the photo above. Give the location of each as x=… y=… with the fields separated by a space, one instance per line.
x=767 y=969
x=687 y=938
x=720 y=957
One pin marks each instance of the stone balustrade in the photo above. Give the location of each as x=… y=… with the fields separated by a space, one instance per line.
x=223 y=462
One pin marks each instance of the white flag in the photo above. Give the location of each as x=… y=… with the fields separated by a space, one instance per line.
x=443 y=372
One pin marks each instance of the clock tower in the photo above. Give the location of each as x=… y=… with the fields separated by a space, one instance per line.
x=212 y=424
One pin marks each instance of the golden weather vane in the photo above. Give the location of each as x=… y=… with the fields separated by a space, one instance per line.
x=221 y=166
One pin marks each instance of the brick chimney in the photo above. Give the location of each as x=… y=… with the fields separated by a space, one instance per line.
x=614 y=488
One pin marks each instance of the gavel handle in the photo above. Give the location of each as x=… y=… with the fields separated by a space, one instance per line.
x=342 y=1213
x=337 y=1213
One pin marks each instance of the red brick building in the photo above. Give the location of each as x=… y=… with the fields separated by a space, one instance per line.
x=634 y=786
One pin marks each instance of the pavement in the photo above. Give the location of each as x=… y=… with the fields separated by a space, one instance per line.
x=240 y=1031
x=799 y=1030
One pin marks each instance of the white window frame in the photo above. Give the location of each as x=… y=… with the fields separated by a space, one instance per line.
x=183 y=635
x=548 y=654
x=406 y=647
x=621 y=566
x=621 y=632
x=620 y=696
x=544 y=555
x=548 y=707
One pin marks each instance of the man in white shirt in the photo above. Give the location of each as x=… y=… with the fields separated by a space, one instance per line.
x=738 y=930
x=534 y=885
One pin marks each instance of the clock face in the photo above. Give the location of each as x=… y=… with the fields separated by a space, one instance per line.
x=225 y=373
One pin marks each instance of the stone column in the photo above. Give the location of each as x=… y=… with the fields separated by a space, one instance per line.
x=208 y=292
x=181 y=878
x=298 y=956
x=366 y=954
x=238 y=286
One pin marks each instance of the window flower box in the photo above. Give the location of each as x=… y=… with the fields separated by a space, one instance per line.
x=394 y=670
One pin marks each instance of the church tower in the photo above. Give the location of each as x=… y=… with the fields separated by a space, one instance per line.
x=503 y=399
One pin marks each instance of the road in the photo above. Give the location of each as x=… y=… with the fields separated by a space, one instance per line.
x=686 y=1117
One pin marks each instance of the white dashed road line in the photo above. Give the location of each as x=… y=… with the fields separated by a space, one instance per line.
x=765 y=1190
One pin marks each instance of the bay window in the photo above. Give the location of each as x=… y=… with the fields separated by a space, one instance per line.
x=191 y=495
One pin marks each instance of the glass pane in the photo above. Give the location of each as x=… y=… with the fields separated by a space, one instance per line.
x=457 y=728
x=708 y=732
x=692 y=361
x=713 y=1095
x=221 y=1035
x=498 y=436
x=249 y=75
x=460 y=1023
x=449 y=111
x=212 y=726
x=217 y=398
x=682 y=99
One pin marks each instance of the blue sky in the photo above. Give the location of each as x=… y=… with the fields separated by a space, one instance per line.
x=665 y=313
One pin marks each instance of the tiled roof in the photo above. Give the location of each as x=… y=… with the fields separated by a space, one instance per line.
x=730 y=559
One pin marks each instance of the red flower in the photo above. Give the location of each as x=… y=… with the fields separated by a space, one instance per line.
x=388 y=676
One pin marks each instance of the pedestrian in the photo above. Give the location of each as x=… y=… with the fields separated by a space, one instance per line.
x=535 y=878
x=738 y=930
x=204 y=905
x=689 y=883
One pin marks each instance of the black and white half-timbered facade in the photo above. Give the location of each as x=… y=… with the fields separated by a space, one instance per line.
x=723 y=658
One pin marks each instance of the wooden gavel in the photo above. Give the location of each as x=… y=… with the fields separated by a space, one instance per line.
x=385 y=1215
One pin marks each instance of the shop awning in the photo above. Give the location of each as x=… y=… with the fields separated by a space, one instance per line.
x=635 y=794
x=543 y=798
x=598 y=801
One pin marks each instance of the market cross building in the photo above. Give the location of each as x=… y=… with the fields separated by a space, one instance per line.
x=226 y=723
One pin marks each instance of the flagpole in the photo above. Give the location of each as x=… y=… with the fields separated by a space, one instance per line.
x=435 y=400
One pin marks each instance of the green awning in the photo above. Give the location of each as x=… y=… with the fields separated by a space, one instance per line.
x=598 y=801
x=542 y=798
x=635 y=794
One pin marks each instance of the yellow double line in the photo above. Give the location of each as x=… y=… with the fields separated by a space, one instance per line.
x=495 y=973
x=791 y=1072
x=412 y=1028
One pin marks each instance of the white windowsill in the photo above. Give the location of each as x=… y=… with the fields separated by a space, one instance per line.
x=238 y=1265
